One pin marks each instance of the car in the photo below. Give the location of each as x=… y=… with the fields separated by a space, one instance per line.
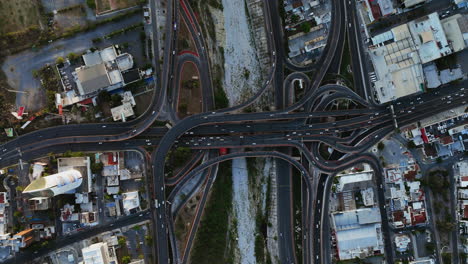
x=104 y=126
x=140 y=215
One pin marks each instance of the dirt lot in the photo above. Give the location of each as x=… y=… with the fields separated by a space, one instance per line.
x=103 y=6
x=17 y=15
x=64 y=20
x=189 y=91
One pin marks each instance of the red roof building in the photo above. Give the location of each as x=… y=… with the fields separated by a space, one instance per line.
x=465 y=211
x=375 y=8
x=447 y=140
x=424 y=136
x=418 y=218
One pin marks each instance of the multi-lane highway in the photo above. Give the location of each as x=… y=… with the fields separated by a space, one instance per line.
x=305 y=124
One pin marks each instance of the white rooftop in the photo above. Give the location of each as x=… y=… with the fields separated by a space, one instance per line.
x=124 y=62
x=96 y=254
x=353 y=178
x=453 y=32
x=354 y=242
x=386 y=7
x=122 y=112
x=130 y=201
x=108 y=54
x=429 y=37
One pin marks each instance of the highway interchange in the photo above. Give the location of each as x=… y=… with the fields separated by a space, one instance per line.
x=303 y=125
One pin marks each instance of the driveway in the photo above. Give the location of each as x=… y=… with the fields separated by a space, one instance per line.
x=18 y=68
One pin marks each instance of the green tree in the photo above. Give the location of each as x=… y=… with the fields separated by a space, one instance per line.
x=411 y=144
x=126 y=259
x=183 y=108
x=122 y=241
x=91 y=4
x=305 y=27
x=60 y=60
x=116 y=99
x=18 y=214
x=430 y=247
x=180 y=155
x=149 y=240
x=439 y=160
x=381 y=146
x=446 y=258
x=72 y=56
x=104 y=96
x=96 y=167
x=295 y=18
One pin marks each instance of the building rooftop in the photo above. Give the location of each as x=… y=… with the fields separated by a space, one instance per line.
x=402 y=242
x=397 y=65
x=122 y=112
x=130 y=201
x=108 y=54
x=353 y=242
x=96 y=254
x=124 y=62
x=429 y=37
x=410 y=3
x=91 y=79
x=354 y=181
x=453 y=31
x=92 y=58
x=55 y=184
x=386 y=7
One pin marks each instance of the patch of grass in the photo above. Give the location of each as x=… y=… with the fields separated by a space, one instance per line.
x=18 y=15
x=124 y=30
x=220 y=97
x=211 y=240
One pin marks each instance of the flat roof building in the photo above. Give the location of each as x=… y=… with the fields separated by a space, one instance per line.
x=91 y=79
x=397 y=65
x=130 y=201
x=96 y=254
x=453 y=26
x=358 y=233
x=354 y=181
x=411 y=3
x=429 y=37
x=122 y=112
